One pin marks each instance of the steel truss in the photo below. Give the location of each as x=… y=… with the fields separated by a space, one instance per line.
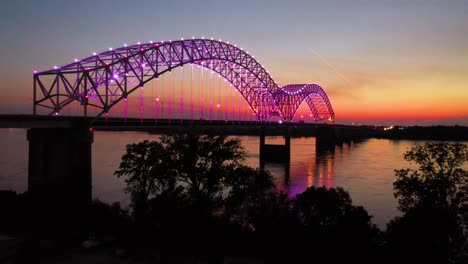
x=105 y=79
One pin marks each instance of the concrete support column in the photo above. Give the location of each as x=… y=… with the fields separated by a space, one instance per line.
x=60 y=167
x=262 y=147
x=279 y=154
x=287 y=143
x=325 y=139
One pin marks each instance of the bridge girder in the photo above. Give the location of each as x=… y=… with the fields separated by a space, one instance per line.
x=105 y=79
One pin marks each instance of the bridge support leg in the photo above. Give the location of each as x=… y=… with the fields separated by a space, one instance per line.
x=287 y=165
x=276 y=153
x=325 y=139
x=287 y=143
x=262 y=148
x=59 y=180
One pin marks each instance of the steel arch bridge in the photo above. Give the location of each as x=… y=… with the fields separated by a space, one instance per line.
x=105 y=79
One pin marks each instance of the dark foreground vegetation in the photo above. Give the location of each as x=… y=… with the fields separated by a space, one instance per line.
x=193 y=201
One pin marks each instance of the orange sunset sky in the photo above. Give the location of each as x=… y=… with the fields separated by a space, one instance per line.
x=380 y=62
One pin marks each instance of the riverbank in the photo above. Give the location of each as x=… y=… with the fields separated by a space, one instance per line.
x=444 y=133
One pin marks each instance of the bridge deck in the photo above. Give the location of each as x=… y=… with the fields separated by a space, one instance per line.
x=166 y=126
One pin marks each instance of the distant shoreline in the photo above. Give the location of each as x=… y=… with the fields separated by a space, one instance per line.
x=443 y=133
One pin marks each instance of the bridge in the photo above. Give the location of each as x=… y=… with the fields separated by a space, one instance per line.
x=98 y=93
x=103 y=80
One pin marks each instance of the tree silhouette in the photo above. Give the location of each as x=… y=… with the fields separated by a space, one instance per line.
x=321 y=219
x=435 y=202
x=202 y=162
x=322 y=206
x=144 y=166
x=331 y=212
x=184 y=188
x=439 y=181
x=201 y=168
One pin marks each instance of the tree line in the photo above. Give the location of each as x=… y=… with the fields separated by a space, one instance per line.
x=193 y=196
x=196 y=186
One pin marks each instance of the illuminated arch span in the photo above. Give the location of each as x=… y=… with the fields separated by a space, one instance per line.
x=290 y=97
x=105 y=79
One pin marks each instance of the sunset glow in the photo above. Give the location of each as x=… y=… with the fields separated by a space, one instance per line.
x=396 y=61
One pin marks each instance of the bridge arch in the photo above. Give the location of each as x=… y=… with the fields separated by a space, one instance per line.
x=291 y=96
x=105 y=79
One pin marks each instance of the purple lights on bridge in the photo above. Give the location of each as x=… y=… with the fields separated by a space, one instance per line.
x=103 y=80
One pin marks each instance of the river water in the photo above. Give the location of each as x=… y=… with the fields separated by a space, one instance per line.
x=365 y=169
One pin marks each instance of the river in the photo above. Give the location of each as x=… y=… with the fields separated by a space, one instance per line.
x=365 y=169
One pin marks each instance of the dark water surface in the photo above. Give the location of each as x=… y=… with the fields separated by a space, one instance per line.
x=364 y=169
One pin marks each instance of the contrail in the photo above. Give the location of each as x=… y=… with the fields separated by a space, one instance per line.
x=333 y=68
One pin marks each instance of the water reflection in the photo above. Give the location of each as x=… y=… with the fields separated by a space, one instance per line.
x=321 y=169
x=281 y=174
x=308 y=166
x=364 y=169
x=311 y=167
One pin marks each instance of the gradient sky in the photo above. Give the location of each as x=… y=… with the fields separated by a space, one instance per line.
x=388 y=61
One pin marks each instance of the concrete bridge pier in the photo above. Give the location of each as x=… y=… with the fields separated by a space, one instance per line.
x=280 y=154
x=60 y=170
x=274 y=152
x=326 y=139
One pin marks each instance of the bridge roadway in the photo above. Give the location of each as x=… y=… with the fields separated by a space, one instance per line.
x=341 y=132
x=327 y=135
